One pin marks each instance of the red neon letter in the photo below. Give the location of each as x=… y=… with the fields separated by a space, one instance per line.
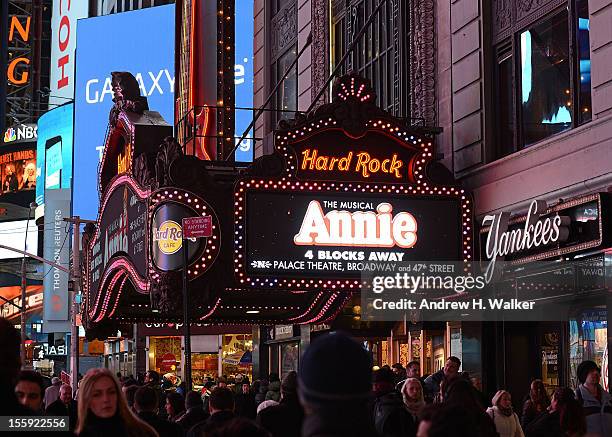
x=65 y=22
x=61 y=62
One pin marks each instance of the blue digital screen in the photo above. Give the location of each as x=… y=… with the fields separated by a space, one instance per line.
x=243 y=79
x=141 y=42
x=54 y=150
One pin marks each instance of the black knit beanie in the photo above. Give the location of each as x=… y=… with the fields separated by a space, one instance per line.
x=335 y=368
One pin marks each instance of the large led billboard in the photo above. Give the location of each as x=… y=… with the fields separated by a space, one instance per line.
x=18 y=170
x=54 y=150
x=63 y=43
x=12 y=234
x=243 y=80
x=149 y=56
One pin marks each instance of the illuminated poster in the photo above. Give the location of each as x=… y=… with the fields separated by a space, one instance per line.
x=18 y=171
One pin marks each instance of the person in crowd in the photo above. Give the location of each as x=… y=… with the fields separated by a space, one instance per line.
x=221 y=409
x=206 y=391
x=399 y=372
x=563 y=418
x=536 y=403
x=412 y=394
x=477 y=384
x=389 y=412
x=10 y=363
x=446 y=420
x=413 y=370
x=52 y=393
x=29 y=390
x=439 y=397
x=265 y=404
x=221 y=382
x=448 y=373
x=238 y=384
x=506 y=421
x=175 y=406
x=145 y=403
x=153 y=380
x=260 y=394
x=194 y=413
x=130 y=392
x=240 y=427
x=335 y=396
x=119 y=376
x=245 y=401
x=182 y=388
x=103 y=411
x=284 y=419
x=64 y=406
x=461 y=393
x=595 y=401
x=273 y=392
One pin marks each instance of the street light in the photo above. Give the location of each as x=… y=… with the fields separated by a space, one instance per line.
x=33 y=206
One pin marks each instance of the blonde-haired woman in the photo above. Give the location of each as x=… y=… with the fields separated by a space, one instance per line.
x=506 y=421
x=412 y=393
x=103 y=410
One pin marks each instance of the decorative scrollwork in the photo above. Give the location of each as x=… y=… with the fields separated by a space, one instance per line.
x=168 y=151
x=423 y=66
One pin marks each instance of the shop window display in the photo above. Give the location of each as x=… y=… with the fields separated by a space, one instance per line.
x=165 y=354
x=589 y=341
x=203 y=367
x=237 y=355
x=549 y=349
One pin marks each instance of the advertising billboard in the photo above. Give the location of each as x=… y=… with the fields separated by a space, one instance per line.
x=54 y=150
x=12 y=234
x=243 y=80
x=149 y=57
x=57 y=248
x=18 y=171
x=63 y=44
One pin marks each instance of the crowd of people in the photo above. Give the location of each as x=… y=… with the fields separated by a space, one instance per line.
x=335 y=393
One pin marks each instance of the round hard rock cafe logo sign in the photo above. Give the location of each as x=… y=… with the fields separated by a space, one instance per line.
x=168 y=237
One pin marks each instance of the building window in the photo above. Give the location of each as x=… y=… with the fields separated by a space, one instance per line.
x=283 y=51
x=380 y=54
x=540 y=88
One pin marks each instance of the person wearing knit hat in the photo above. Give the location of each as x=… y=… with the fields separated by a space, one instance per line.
x=506 y=421
x=334 y=386
x=596 y=402
x=285 y=418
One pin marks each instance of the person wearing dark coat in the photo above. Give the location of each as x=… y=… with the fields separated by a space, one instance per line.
x=334 y=395
x=284 y=419
x=536 y=403
x=194 y=413
x=262 y=389
x=145 y=403
x=221 y=409
x=273 y=392
x=10 y=363
x=460 y=393
x=564 y=418
x=390 y=416
x=64 y=406
x=245 y=401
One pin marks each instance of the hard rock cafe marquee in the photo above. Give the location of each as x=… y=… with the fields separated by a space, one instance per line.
x=348 y=188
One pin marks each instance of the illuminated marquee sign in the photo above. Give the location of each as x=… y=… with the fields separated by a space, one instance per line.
x=374 y=158
x=353 y=196
x=340 y=235
x=119 y=244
